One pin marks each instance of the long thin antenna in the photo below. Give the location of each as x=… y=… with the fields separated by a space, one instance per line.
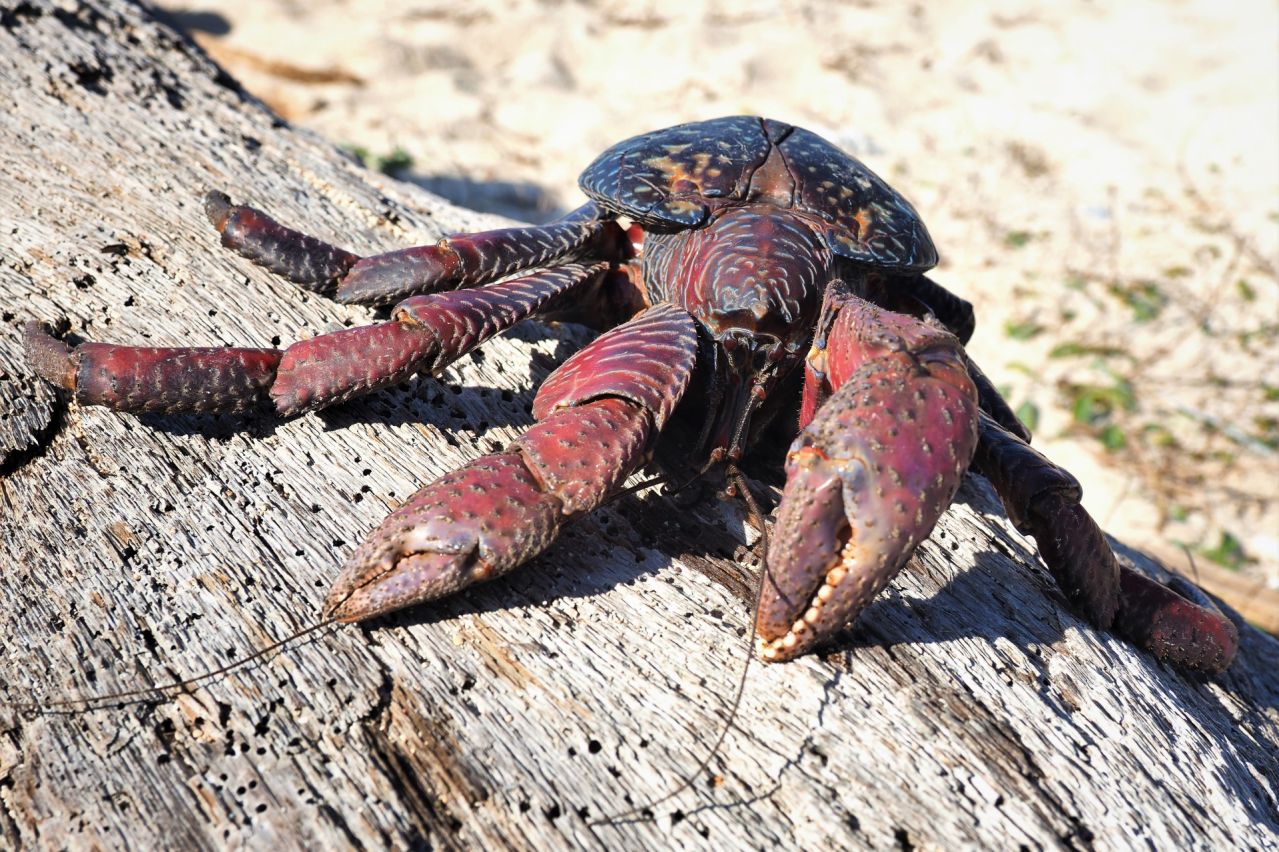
x=158 y=691
x=757 y=516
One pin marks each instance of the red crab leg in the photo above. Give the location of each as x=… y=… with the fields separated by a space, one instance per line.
x=426 y=334
x=153 y=379
x=1179 y=625
x=598 y=414
x=868 y=477
x=463 y=260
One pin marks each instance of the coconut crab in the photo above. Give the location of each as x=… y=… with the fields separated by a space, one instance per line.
x=762 y=270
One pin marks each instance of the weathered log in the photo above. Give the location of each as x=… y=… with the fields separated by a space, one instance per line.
x=968 y=706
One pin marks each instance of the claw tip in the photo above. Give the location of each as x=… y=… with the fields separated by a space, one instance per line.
x=50 y=358
x=217 y=207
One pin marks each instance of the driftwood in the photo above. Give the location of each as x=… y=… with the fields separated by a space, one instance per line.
x=967 y=706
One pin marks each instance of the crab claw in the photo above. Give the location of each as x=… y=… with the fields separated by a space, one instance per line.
x=465 y=527
x=869 y=476
x=596 y=418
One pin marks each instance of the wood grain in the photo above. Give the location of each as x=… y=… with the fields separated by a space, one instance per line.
x=967 y=707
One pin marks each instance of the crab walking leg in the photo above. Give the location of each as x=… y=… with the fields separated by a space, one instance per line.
x=463 y=260
x=146 y=379
x=598 y=414
x=1175 y=621
x=305 y=260
x=1178 y=625
x=426 y=333
x=1042 y=500
x=992 y=402
x=871 y=473
x=954 y=312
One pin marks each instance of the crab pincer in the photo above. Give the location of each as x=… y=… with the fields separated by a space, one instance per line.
x=871 y=472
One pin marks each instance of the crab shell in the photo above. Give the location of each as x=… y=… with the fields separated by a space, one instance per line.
x=673 y=178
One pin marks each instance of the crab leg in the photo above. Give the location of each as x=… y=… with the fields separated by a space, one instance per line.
x=463 y=260
x=992 y=402
x=598 y=416
x=870 y=473
x=955 y=313
x=1174 y=621
x=153 y=379
x=425 y=334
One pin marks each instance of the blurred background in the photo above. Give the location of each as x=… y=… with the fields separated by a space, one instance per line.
x=1102 y=181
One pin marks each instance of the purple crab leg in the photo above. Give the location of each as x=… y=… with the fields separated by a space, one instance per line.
x=463 y=260
x=1179 y=625
x=598 y=416
x=305 y=260
x=993 y=403
x=868 y=477
x=153 y=379
x=1175 y=621
x=1042 y=500
x=425 y=334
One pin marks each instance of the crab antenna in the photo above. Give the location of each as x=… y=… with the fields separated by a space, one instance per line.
x=156 y=692
x=757 y=517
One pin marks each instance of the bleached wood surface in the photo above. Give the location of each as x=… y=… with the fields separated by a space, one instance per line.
x=968 y=705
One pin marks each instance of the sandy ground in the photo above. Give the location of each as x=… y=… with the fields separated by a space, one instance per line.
x=1101 y=179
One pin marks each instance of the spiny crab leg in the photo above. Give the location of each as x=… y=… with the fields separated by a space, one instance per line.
x=1174 y=620
x=868 y=477
x=462 y=260
x=425 y=334
x=598 y=415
